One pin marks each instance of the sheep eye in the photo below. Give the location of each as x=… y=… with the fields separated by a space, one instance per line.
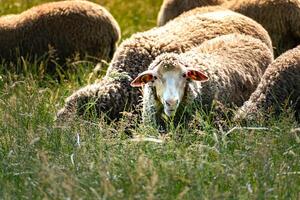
x=154 y=77
x=184 y=75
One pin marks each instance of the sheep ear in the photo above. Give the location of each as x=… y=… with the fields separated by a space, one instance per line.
x=196 y=74
x=142 y=79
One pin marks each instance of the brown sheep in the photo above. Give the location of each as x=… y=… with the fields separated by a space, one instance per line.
x=67 y=27
x=281 y=18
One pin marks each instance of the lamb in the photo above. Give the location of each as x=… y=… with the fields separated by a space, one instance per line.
x=68 y=27
x=281 y=18
x=278 y=89
x=113 y=93
x=227 y=69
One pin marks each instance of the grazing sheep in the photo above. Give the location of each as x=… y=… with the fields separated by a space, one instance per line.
x=232 y=66
x=113 y=94
x=67 y=27
x=279 y=88
x=281 y=18
x=172 y=8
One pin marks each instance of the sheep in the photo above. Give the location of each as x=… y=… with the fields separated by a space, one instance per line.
x=113 y=94
x=226 y=69
x=67 y=27
x=281 y=18
x=172 y=8
x=279 y=88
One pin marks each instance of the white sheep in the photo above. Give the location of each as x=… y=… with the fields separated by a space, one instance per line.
x=113 y=93
x=231 y=66
x=281 y=18
x=279 y=89
x=68 y=27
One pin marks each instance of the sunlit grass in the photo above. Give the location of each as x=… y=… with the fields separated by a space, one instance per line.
x=40 y=159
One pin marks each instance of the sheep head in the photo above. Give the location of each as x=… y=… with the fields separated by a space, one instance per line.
x=169 y=76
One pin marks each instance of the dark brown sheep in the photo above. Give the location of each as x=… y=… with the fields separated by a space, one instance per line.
x=65 y=27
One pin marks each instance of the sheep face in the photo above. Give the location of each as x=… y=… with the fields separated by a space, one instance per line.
x=169 y=80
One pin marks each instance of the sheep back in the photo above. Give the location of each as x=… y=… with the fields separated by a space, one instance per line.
x=172 y=8
x=67 y=27
x=280 y=18
x=234 y=64
x=279 y=88
x=136 y=53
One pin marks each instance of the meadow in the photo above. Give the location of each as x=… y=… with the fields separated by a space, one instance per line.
x=40 y=159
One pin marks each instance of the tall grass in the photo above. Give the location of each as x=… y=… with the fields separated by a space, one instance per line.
x=40 y=159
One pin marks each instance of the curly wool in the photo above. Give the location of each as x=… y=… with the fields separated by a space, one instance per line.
x=279 y=88
x=68 y=27
x=234 y=64
x=135 y=54
x=281 y=18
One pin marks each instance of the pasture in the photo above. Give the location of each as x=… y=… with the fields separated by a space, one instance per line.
x=40 y=159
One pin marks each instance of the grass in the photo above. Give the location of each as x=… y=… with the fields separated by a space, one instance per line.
x=95 y=160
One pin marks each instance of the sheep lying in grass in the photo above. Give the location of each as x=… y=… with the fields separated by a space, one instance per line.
x=281 y=18
x=67 y=27
x=278 y=89
x=113 y=94
x=231 y=66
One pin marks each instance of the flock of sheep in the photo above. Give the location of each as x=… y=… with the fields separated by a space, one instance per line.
x=202 y=51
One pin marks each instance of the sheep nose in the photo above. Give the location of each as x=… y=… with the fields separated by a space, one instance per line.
x=171 y=102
